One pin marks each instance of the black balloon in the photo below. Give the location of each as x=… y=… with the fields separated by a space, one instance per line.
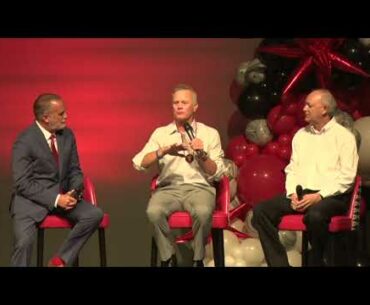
x=254 y=102
x=354 y=51
x=272 y=61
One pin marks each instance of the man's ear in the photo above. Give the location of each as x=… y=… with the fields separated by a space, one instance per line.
x=195 y=107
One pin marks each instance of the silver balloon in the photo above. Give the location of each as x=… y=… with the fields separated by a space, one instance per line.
x=288 y=239
x=258 y=132
x=252 y=71
x=344 y=119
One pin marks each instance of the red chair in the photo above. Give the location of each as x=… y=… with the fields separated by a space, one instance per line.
x=338 y=224
x=57 y=222
x=220 y=221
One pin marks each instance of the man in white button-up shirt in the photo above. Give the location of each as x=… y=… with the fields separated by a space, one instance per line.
x=188 y=162
x=324 y=163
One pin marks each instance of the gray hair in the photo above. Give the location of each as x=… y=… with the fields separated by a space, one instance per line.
x=42 y=104
x=186 y=87
x=328 y=100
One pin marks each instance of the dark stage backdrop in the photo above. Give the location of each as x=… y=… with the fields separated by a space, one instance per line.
x=116 y=92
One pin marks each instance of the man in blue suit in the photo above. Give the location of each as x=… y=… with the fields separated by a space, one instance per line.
x=48 y=179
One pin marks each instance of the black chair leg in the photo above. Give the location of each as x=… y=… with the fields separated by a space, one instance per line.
x=218 y=247
x=76 y=263
x=102 y=248
x=304 y=249
x=40 y=247
x=154 y=253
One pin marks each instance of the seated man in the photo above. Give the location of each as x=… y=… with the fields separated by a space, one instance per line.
x=189 y=157
x=48 y=179
x=324 y=163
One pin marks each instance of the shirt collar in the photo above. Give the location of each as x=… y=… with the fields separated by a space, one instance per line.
x=325 y=128
x=46 y=133
x=172 y=128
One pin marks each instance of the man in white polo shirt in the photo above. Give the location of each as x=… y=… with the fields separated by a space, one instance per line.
x=189 y=158
x=324 y=163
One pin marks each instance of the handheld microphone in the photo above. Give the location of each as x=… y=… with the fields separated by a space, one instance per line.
x=190 y=132
x=299 y=192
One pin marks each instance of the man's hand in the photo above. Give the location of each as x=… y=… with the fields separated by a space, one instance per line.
x=307 y=201
x=67 y=201
x=172 y=150
x=197 y=144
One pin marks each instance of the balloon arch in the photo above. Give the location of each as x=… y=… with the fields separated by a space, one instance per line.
x=269 y=93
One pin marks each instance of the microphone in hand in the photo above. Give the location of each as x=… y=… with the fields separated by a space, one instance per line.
x=299 y=192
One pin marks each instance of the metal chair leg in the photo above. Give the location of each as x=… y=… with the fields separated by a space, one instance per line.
x=102 y=248
x=304 y=249
x=154 y=253
x=40 y=247
x=218 y=247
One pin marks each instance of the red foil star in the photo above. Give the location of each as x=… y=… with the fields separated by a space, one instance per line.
x=315 y=53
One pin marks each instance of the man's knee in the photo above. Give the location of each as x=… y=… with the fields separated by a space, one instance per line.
x=313 y=216
x=95 y=215
x=203 y=214
x=155 y=214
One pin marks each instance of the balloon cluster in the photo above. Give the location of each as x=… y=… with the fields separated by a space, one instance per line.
x=269 y=93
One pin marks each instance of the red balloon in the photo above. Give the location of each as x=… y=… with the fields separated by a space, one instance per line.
x=273 y=115
x=235 y=91
x=356 y=115
x=271 y=148
x=251 y=150
x=261 y=177
x=285 y=152
x=283 y=124
x=285 y=140
x=291 y=109
x=300 y=121
x=294 y=131
x=236 y=149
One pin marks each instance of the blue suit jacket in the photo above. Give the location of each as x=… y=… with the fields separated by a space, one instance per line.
x=37 y=180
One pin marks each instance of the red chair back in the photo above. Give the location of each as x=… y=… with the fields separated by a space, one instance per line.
x=89 y=191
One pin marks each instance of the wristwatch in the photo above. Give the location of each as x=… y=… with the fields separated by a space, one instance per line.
x=202 y=155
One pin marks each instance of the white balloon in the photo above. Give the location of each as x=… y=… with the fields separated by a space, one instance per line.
x=298 y=242
x=294 y=258
x=229 y=261
x=248 y=227
x=253 y=253
x=211 y=263
x=230 y=241
x=237 y=252
x=237 y=224
x=240 y=263
x=234 y=203
x=209 y=251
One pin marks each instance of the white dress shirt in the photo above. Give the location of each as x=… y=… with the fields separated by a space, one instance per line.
x=176 y=170
x=47 y=136
x=325 y=161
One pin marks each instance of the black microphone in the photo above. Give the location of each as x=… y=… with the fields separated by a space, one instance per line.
x=189 y=131
x=299 y=192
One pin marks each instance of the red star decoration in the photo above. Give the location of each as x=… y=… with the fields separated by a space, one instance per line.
x=315 y=53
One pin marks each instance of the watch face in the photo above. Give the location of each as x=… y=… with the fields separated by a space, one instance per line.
x=189 y=158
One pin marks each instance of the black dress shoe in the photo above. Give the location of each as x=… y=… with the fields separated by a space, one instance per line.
x=198 y=264
x=171 y=262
